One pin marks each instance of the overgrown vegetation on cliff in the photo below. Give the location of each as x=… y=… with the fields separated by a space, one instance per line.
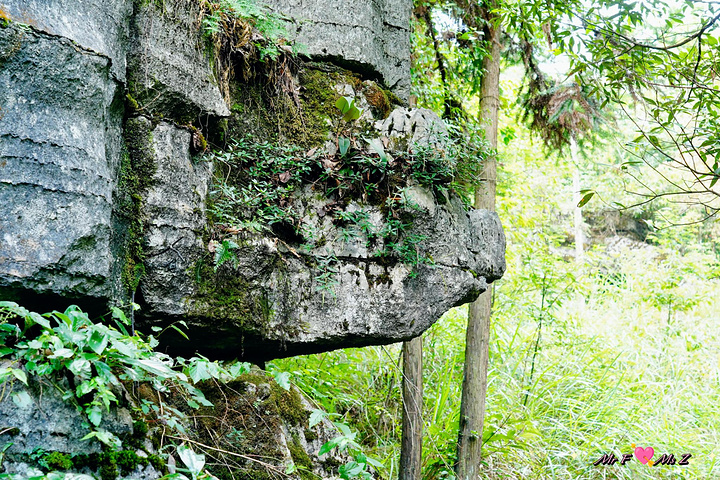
x=596 y=352
x=256 y=185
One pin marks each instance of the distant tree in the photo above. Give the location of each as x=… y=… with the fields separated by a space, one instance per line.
x=658 y=63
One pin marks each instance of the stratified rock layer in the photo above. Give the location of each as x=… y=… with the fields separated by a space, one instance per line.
x=369 y=36
x=60 y=141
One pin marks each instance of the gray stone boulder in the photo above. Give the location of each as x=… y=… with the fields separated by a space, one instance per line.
x=371 y=37
x=37 y=424
x=250 y=414
x=285 y=297
x=170 y=72
x=61 y=112
x=36 y=417
x=100 y=113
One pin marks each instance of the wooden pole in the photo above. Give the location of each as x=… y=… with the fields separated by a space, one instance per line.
x=412 y=425
x=474 y=388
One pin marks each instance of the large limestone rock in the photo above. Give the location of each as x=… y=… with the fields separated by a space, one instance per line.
x=72 y=228
x=282 y=300
x=250 y=414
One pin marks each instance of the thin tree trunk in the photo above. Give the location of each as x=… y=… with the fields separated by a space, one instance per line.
x=472 y=408
x=411 y=451
x=579 y=238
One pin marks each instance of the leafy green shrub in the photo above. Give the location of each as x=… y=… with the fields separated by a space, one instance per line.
x=98 y=357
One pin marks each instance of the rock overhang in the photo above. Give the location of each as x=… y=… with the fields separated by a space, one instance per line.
x=271 y=304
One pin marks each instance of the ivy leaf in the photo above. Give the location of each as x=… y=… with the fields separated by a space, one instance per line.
x=199 y=372
x=119 y=315
x=95 y=415
x=40 y=320
x=22 y=399
x=316 y=416
x=351 y=469
x=105 y=437
x=193 y=461
x=98 y=342
x=153 y=367
x=282 y=379
x=19 y=374
x=585 y=199
x=84 y=388
x=81 y=367
x=62 y=353
x=328 y=446
x=238 y=369
x=343 y=145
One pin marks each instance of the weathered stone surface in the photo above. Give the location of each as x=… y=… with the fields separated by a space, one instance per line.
x=60 y=141
x=175 y=209
x=405 y=127
x=370 y=37
x=96 y=25
x=35 y=418
x=276 y=302
x=168 y=65
x=47 y=421
x=330 y=289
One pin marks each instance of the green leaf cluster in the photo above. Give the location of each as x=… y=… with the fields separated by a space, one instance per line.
x=349 y=110
x=98 y=358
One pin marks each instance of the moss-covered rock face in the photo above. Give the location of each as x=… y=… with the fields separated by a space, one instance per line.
x=295 y=103
x=137 y=169
x=253 y=419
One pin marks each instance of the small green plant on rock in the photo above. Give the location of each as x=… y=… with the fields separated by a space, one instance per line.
x=223 y=17
x=256 y=185
x=349 y=110
x=361 y=465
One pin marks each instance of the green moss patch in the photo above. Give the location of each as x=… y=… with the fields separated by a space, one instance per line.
x=301 y=459
x=223 y=294
x=289 y=405
x=278 y=107
x=135 y=178
x=108 y=464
